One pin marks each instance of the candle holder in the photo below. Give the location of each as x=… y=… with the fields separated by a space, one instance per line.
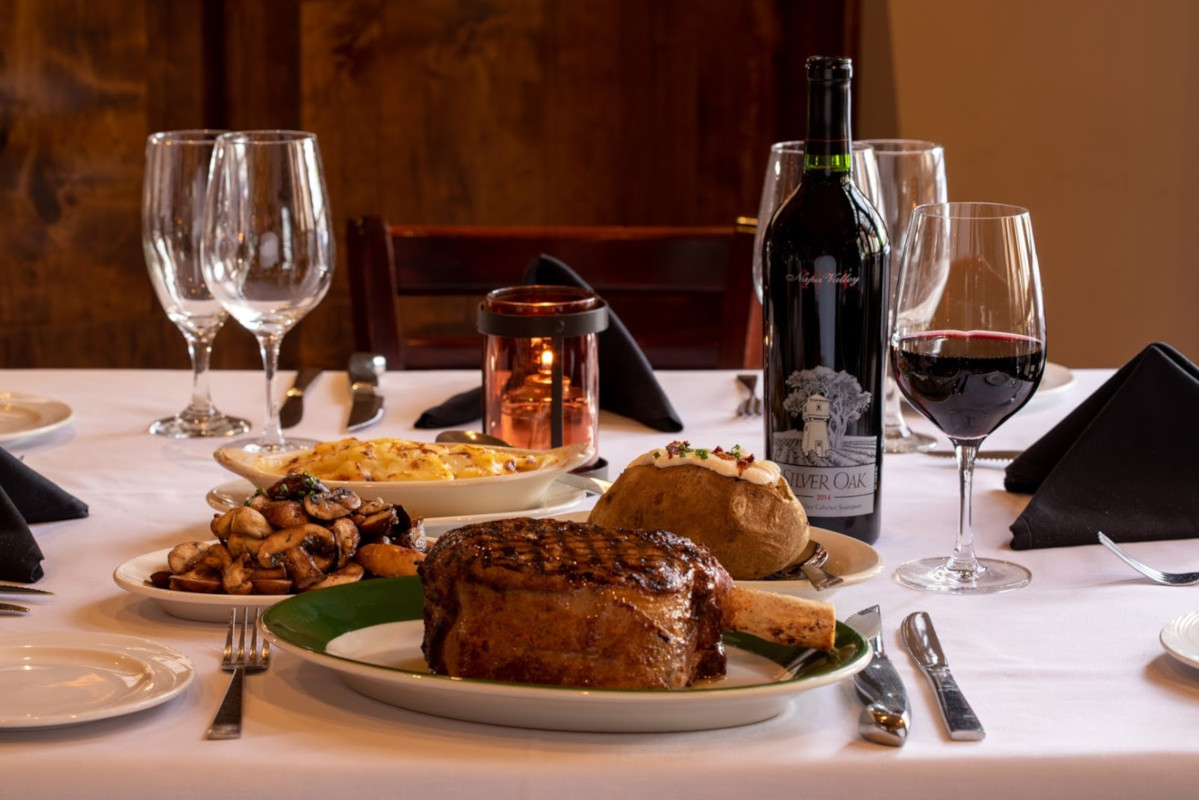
x=540 y=367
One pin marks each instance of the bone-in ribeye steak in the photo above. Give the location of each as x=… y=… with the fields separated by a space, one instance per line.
x=571 y=603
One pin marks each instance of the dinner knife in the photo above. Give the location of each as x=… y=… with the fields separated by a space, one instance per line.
x=293 y=405
x=885 y=718
x=16 y=588
x=921 y=639
x=365 y=370
x=982 y=455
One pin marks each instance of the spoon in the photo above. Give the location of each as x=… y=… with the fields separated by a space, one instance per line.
x=593 y=485
x=811 y=565
x=470 y=437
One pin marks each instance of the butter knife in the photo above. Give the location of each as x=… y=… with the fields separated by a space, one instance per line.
x=293 y=405
x=885 y=718
x=365 y=370
x=921 y=639
x=17 y=588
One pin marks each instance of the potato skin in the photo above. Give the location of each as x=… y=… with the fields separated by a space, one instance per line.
x=753 y=530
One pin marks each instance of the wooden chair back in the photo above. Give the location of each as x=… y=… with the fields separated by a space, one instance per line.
x=685 y=293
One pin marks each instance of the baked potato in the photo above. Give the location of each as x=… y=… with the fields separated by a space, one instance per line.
x=752 y=528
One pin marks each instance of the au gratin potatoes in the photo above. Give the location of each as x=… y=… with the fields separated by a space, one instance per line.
x=403 y=460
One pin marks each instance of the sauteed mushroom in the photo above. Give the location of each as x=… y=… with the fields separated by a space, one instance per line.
x=297 y=535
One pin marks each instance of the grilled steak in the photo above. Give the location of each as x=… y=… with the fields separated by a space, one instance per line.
x=546 y=601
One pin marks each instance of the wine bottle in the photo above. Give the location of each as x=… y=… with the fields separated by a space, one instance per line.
x=826 y=256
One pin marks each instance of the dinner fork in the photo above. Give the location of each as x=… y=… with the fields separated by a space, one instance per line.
x=1168 y=578
x=12 y=608
x=752 y=406
x=227 y=722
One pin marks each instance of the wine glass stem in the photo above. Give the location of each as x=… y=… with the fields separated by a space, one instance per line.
x=894 y=408
x=272 y=434
x=963 y=559
x=200 y=348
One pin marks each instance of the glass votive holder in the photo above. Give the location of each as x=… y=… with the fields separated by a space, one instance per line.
x=540 y=365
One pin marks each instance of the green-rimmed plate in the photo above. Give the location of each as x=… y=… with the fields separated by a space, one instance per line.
x=370 y=634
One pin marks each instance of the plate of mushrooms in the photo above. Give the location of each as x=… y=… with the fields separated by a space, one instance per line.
x=294 y=536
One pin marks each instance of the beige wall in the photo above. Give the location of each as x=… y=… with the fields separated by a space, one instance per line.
x=1084 y=111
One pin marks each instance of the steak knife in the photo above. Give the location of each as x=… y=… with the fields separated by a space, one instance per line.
x=365 y=370
x=921 y=639
x=885 y=718
x=293 y=406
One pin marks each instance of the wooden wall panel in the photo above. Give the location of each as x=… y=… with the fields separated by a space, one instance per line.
x=428 y=111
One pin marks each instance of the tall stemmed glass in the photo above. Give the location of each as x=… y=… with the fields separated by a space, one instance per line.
x=968 y=350
x=173 y=193
x=911 y=172
x=268 y=245
x=784 y=168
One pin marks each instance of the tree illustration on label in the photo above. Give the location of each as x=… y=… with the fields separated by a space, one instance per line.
x=825 y=402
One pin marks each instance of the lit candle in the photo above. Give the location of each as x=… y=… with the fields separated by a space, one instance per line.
x=541 y=370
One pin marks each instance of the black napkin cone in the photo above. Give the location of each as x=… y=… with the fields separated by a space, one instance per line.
x=460 y=409
x=627 y=383
x=26 y=498
x=1123 y=462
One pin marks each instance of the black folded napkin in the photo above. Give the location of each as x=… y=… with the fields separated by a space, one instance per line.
x=627 y=383
x=1123 y=462
x=27 y=498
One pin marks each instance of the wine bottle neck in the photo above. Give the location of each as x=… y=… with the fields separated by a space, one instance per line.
x=827 y=148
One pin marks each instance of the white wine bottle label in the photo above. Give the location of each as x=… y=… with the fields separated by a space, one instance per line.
x=832 y=473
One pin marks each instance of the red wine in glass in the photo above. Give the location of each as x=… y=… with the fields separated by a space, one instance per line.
x=968 y=383
x=967 y=350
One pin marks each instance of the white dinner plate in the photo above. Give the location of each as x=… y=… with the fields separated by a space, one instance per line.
x=26 y=415
x=1181 y=639
x=1056 y=379
x=558 y=498
x=134 y=575
x=53 y=679
x=853 y=560
x=370 y=634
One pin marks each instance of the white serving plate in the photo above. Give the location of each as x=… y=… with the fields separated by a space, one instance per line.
x=51 y=679
x=133 y=577
x=557 y=499
x=25 y=415
x=1055 y=380
x=853 y=560
x=1181 y=639
x=370 y=635
x=467 y=496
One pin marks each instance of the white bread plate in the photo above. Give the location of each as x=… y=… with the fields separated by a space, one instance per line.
x=516 y=491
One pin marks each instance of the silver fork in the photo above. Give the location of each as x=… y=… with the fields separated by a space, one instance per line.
x=227 y=722
x=1168 y=578
x=752 y=406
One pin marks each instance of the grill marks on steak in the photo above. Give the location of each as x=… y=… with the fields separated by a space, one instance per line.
x=547 y=601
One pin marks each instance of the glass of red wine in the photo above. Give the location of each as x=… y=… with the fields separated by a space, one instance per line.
x=967 y=350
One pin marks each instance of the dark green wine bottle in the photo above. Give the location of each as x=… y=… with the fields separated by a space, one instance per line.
x=825 y=257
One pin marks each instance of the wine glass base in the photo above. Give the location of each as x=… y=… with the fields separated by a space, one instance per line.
x=932 y=575
x=262 y=447
x=213 y=426
x=903 y=440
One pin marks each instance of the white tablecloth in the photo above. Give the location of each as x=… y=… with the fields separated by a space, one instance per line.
x=1077 y=696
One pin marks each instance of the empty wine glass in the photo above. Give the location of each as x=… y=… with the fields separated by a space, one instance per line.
x=784 y=168
x=173 y=193
x=268 y=245
x=968 y=350
x=911 y=172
